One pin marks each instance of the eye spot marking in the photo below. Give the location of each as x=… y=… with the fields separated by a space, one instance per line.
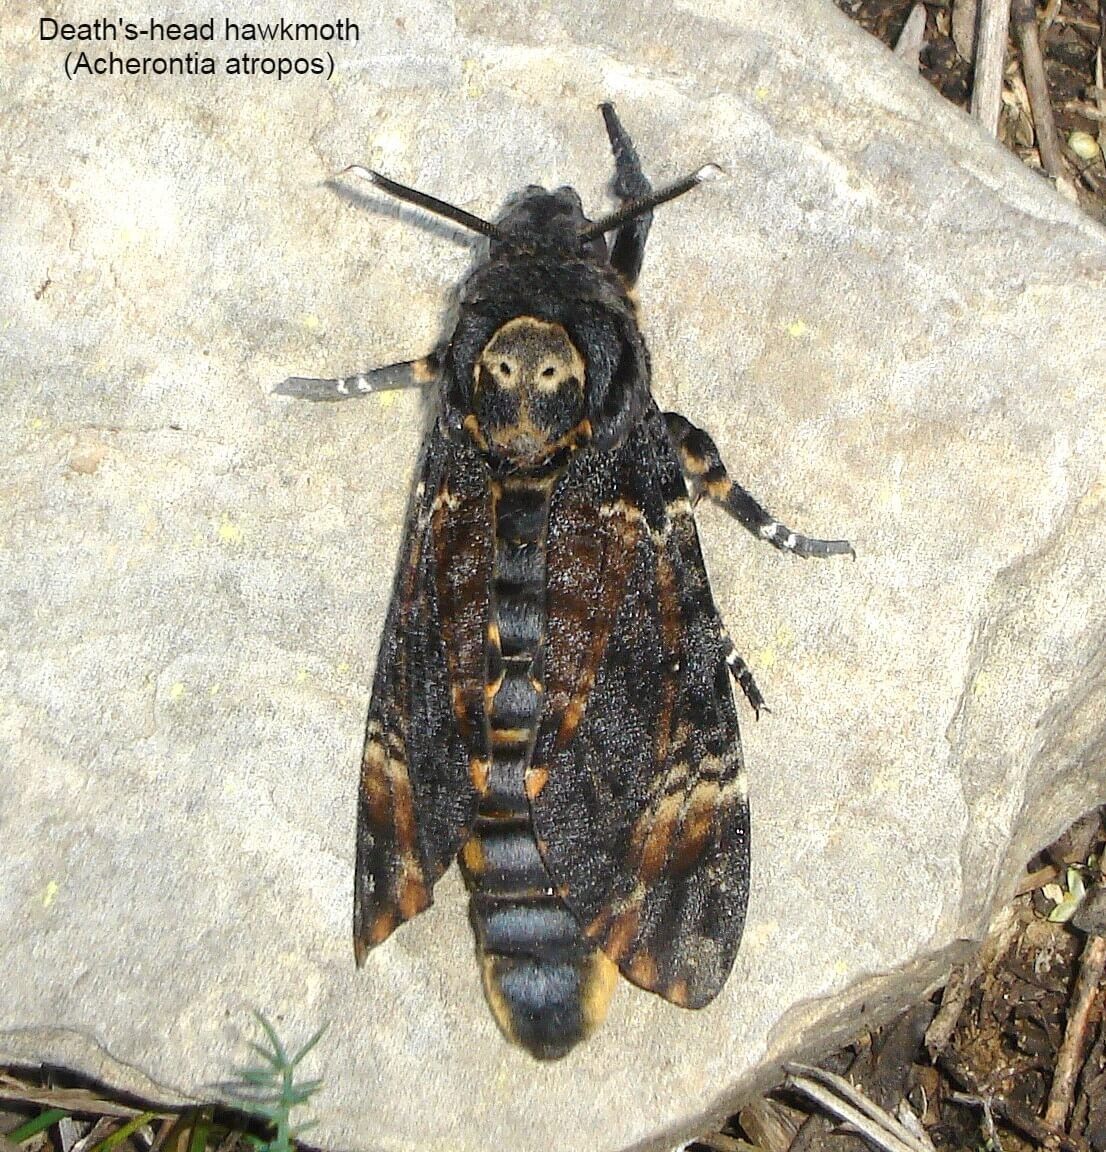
x=495 y=369
x=532 y=356
x=553 y=376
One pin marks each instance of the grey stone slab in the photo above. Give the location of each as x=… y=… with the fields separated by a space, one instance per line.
x=894 y=332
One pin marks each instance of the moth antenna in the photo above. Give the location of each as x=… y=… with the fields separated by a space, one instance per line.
x=645 y=203
x=430 y=203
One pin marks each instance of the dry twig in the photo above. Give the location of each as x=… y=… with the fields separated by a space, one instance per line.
x=965 y=16
x=72 y=1099
x=1037 y=879
x=1077 y=22
x=953 y=999
x=1086 y=171
x=69 y=1133
x=841 y=1099
x=768 y=1125
x=910 y=1120
x=1088 y=112
x=990 y=59
x=1069 y=1059
x=99 y=1131
x=720 y=1142
x=1004 y=932
x=1023 y=14
x=989 y=1132
x=1100 y=91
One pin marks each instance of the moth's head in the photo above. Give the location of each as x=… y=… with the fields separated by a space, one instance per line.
x=543 y=221
x=528 y=393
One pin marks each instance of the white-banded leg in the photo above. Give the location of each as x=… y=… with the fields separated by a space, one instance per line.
x=706 y=475
x=741 y=672
x=408 y=374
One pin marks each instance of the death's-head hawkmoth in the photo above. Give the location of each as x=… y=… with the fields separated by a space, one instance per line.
x=552 y=699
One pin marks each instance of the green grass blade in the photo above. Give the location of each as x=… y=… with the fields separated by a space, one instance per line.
x=201 y=1131
x=39 y=1124
x=121 y=1133
x=304 y=1088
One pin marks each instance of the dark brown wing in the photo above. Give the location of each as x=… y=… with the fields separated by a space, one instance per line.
x=638 y=793
x=425 y=729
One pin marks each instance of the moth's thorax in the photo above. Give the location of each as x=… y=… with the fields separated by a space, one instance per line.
x=528 y=393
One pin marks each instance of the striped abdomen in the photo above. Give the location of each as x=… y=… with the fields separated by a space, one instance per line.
x=547 y=986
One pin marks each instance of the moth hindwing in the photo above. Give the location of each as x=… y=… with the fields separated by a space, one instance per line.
x=552 y=701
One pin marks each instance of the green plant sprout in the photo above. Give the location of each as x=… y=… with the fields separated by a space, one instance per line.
x=1067 y=899
x=270 y=1090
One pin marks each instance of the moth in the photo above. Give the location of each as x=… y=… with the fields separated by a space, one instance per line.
x=552 y=701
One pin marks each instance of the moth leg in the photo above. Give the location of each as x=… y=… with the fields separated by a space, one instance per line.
x=630 y=183
x=741 y=672
x=408 y=374
x=706 y=474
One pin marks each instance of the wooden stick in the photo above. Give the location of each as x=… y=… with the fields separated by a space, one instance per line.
x=769 y=1125
x=1070 y=1057
x=723 y=1143
x=912 y=38
x=1052 y=11
x=845 y=1101
x=73 y=1099
x=872 y=1130
x=953 y=999
x=1100 y=92
x=1076 y=22
x=1038 y=879
x=990 y=59
x=1023 y=14
x=1088 y=112
x=965 y=16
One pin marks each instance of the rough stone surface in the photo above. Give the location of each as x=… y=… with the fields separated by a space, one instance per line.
x=894 y=332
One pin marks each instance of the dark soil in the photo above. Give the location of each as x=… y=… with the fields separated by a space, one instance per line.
x=1069 y=42
x=987 y=1086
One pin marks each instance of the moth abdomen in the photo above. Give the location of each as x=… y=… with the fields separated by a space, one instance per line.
x=539 y=927
x=546 y=984
x=501 y=858
x=547 y=1006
